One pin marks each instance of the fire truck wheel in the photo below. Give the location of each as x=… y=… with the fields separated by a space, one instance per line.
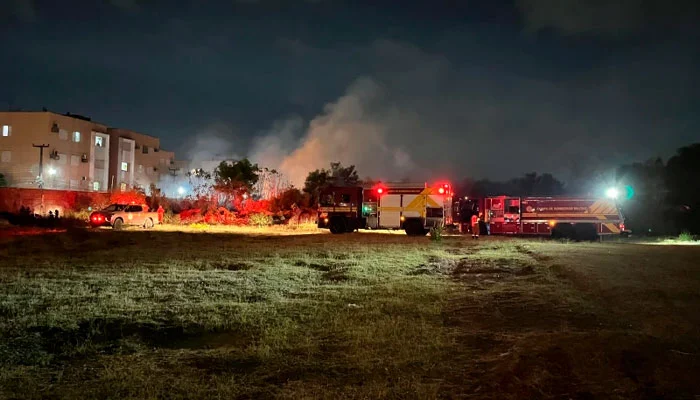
x=414 y=228
x=338 y=226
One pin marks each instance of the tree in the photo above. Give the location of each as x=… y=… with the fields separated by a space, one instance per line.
x=344 y=176
x=236 y=178
x=337 y=175
x=315 y=182
x=530 y=184
x=270 y=184
x=682 y=172
x=288 y=199
x=647 y=210
x=201 y=183
x=3 y=182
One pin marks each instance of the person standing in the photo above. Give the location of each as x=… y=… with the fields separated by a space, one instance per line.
x=475 y=226
x=161 y=214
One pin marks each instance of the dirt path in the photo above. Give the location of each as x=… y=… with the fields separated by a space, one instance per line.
x=577 y=321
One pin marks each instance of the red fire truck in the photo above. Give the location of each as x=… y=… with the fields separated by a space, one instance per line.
x=562 y=217
x=413 y=207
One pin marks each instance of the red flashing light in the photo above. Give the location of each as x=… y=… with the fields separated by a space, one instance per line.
x=441 y=190
x=380 y=190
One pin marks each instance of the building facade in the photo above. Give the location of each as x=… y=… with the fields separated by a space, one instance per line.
x=139 y=161
x=75 y=151
x=79 y=154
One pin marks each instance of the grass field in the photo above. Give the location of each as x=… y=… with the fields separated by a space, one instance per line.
x=169 y=314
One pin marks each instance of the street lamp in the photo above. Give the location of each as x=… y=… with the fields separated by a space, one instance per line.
x=52 y=171
x=181 y=190
x=612 y=193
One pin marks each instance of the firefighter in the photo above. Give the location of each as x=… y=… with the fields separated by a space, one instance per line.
x=161 y=214
x=475 y=226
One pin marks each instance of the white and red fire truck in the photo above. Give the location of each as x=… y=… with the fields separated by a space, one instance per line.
x=563 y=217
x=413 y=207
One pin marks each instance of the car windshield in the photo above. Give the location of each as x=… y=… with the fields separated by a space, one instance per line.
x=114 y=207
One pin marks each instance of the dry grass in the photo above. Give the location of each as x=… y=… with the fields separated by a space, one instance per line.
x=272 y=230
x=273 y=313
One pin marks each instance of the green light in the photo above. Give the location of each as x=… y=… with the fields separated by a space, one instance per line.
x=629 y=192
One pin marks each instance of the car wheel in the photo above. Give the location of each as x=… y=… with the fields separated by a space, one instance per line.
x=148 y=224
x=118 y=224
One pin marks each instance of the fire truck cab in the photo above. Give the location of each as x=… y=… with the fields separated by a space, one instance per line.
x=413 y=207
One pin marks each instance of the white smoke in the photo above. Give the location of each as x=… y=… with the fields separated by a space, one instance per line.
x=218 y=142
x=348 y=131
x=270 y=148
x=419 y=116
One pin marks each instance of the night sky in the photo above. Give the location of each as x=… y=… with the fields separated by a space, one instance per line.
x=401 y=89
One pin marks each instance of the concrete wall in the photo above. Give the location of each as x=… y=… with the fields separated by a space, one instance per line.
x=11 y=199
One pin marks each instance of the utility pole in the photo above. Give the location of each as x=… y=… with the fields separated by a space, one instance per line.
x=41 y=148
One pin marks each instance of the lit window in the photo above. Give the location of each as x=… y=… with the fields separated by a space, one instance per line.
x=6 y=130
x=74 y=160
x=63 y=134
x=125 y=166
x=122 y=187
x=99 y=141
x=95 y=186
x=6 y=156
x=76 y=137
x=140 y=168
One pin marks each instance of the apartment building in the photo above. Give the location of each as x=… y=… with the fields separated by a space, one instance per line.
x=75 y=151
x=138 y=160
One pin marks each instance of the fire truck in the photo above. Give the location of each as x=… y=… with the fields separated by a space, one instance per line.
x=413 y=207
x=559 y=217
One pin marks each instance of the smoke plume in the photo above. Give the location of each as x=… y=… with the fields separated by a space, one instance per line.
x=218 y=142
x=418 y=116
x=348 y=131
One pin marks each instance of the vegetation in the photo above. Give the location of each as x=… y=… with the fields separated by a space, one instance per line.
x=530 y=184
x=260 y=220
x=236 y=178
x=3 y=181
x=436 y=233
x=685 y=237
x=337 y=175
x=154 y=314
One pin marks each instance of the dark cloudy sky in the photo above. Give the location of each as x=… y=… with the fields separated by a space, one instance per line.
x=460 y=88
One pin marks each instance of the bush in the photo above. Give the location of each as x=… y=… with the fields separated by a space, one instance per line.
x=260 y=220
x=82 y=215
x=170 y=218
x=436 y=233
x=685 y=237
